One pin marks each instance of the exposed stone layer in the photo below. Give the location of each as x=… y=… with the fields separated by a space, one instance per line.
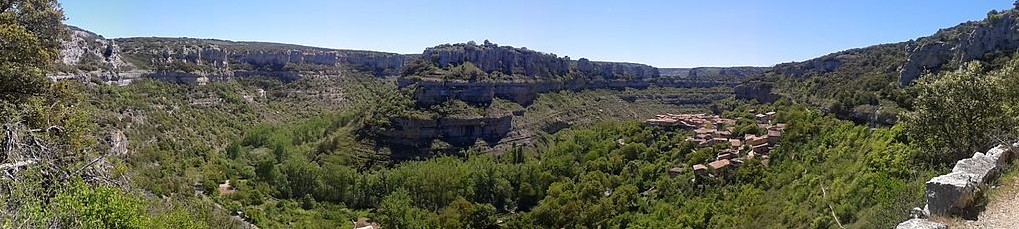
x=459 y=132
x=957 y=191
x=921 y=224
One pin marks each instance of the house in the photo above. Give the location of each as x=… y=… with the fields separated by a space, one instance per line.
x=700 y=169
x=720 y=165
x=761 y=118
x=365 y=223
x=723 y=134
x=225 y=189
x=704 y=131
x=735 y=143
x=675 y=171
x=718 y=141
x=662 y=121
x=756 y=140
x=774 y=136
x=699 y=141
x=777 y=127
x=726 y=156
x=765 y=118
x=762 y=149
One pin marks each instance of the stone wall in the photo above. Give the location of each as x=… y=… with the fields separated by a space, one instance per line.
x=956 y=192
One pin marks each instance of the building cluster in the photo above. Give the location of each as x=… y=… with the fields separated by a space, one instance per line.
x=713 y=130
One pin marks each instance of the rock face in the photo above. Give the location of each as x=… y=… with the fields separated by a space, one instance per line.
x=756 y=90
x=186 y=60
x=118 y=143
x=996 y=35
x=229 y=55
x=921 y=224
x=519 y=75
x=950 y=193
x=84 y=53
x=714 y=72
x=508 y=60
x=955 y=192
x=459 y=132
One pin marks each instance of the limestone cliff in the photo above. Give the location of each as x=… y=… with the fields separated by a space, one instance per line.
x=523 y=63
x=714 y=72
x=520 y=74
x=997 y=35
x=89 y=56
x=416 y=134
x=85 y=54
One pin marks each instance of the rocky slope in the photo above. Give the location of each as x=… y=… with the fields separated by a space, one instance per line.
x=478 y=74
x=714 y=72
x=89 y=56
x=507 y=60
x=997 y=35
x=986 y=40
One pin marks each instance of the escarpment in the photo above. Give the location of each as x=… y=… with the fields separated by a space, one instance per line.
x=997 y=35
x=89 y=56
x=478 y=74
x=419 y=134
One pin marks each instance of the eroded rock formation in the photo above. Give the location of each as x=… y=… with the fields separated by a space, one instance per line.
x=460 y=132
x=980 y=40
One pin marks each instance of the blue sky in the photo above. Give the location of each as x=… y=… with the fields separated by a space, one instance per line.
x=660 y=33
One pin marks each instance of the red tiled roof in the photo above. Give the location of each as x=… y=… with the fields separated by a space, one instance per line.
x=719 y=164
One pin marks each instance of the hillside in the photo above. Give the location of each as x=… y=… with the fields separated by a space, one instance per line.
x=203 y=133
x=870 y=84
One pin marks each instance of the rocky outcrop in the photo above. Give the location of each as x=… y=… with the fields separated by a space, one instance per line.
x=429 y=92
x=921 y=224
x=714 y=72
x=419 y=134
x=207 y=54
x=950 y=193
x=957 y=191
x=84 y=54
x=756 y=90
x=118 y=143
x=981 y=40
x=522 y=62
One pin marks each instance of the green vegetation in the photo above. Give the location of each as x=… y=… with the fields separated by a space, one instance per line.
x=584 y=178
x=857 y=84
x=964 y=111
x=307 y=153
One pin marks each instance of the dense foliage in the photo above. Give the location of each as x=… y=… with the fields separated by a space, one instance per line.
x=586 y=178
x=964 y=111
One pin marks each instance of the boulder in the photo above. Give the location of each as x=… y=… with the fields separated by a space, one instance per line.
x=950 y=193
x=980 y=168
x=118 y=143
x=1001 y=154
x=921 y=224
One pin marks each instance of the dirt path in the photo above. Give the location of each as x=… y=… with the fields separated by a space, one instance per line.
x=1003 y=209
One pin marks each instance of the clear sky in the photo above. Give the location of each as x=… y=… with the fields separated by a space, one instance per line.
x=668 y=33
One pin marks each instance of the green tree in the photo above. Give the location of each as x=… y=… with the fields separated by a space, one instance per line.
x=30 y=32
x=957 y=113
x=398 y=211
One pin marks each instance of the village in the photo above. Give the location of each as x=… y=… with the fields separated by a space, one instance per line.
x=713 y=130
